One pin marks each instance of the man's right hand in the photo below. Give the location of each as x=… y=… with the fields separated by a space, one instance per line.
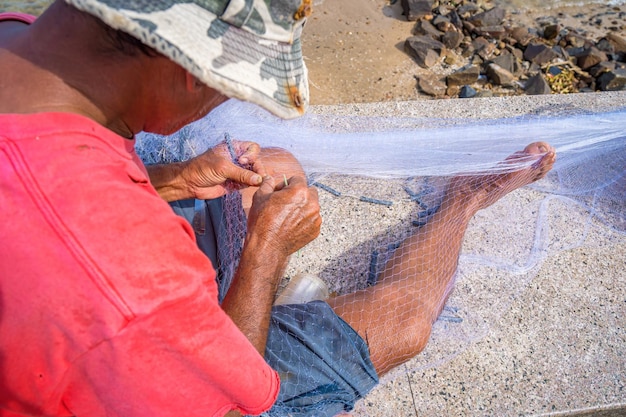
x=286 y=217
x=283 y=218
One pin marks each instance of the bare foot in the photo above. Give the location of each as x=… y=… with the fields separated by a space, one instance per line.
x=480 y=191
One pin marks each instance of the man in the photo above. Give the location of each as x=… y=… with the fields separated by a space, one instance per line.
x=106 y=305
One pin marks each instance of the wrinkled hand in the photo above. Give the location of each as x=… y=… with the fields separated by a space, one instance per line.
x=213 y=173
x=284 y=217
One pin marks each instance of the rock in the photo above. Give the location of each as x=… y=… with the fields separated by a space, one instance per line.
x=619 y=43
x=416 y=9
x=575 y=51
x=561 y=52
x=536 y=85
x=533 y=68
x=467 y=9
x=500 y=76
x=521 y=35
x=468 y=75
x=551 y=31
x=468 y=27
x=601 y=68
x=509 y=41
x=509 y=62
x=452 y=39
x=518 y=53
x=425 y=50
x=575 y=40
x=491 y=17
x=539 y=53
x=590 y=57
x=477 y=60
x=424 y=27
x=430 y=84
x=495 y=32
x=467 y=50
x=445 y=26
x=455 y=19
x=619 y=46
x=612 y=81
x=606 y=46
x=449 y=58
x=467 y=92
x=437 y=20
x=483 y=47
x=444 y=9
x=453 y=90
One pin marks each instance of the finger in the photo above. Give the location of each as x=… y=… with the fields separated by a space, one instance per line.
x=295 y=181
x=244 y=176
x=251 y=151
x=267 y=186
x=259 y=168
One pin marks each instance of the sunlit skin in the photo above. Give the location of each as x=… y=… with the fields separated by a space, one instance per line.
x=57 y=64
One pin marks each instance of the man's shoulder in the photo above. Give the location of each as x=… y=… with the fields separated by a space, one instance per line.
x=104 y=208
x=69 y=142
x=36 y=125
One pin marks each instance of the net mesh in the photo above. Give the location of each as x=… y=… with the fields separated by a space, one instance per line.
x=403 y=242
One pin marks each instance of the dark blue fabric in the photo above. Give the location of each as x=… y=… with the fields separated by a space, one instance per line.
x=212 y=236
x=324 y=365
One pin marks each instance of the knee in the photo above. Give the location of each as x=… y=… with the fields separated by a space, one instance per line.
x=417 y=334
x=279 y=162
x=410 y=340
x=405 y=344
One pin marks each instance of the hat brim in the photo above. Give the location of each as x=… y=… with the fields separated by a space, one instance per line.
x=236 y=62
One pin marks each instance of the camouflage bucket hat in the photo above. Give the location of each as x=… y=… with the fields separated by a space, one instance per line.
x=246 y=49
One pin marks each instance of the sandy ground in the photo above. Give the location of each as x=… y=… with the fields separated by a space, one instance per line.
x=354 y=48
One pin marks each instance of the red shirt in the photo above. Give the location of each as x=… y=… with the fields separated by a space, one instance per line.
x=107 y=307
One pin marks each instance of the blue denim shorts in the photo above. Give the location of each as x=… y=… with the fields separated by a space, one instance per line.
x=324 y=365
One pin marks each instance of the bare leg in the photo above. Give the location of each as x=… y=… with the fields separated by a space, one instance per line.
x=395 y=316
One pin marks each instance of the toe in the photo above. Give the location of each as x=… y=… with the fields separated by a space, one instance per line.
x=538 y=148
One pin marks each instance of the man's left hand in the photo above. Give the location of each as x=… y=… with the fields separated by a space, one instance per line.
x=214 y=173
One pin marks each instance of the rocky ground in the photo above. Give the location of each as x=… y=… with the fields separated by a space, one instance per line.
x=390 y=50
x=415 y=49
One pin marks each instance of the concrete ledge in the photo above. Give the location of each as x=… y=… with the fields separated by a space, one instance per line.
x=559 y=349
x=484 y=108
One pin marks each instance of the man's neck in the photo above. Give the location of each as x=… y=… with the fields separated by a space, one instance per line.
x=45 y=69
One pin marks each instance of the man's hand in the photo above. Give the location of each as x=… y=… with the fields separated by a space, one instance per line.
x=283 y=216
x=282 y=219
x=214 y=173
x=211 y=174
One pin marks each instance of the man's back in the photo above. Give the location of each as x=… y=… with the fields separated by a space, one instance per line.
x=99 y=312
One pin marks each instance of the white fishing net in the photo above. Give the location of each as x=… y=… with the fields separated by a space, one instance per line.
x=383 y=180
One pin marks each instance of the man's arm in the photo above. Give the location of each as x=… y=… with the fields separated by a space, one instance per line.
x=282 y=220
x=168 y=180
x=205 y=176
